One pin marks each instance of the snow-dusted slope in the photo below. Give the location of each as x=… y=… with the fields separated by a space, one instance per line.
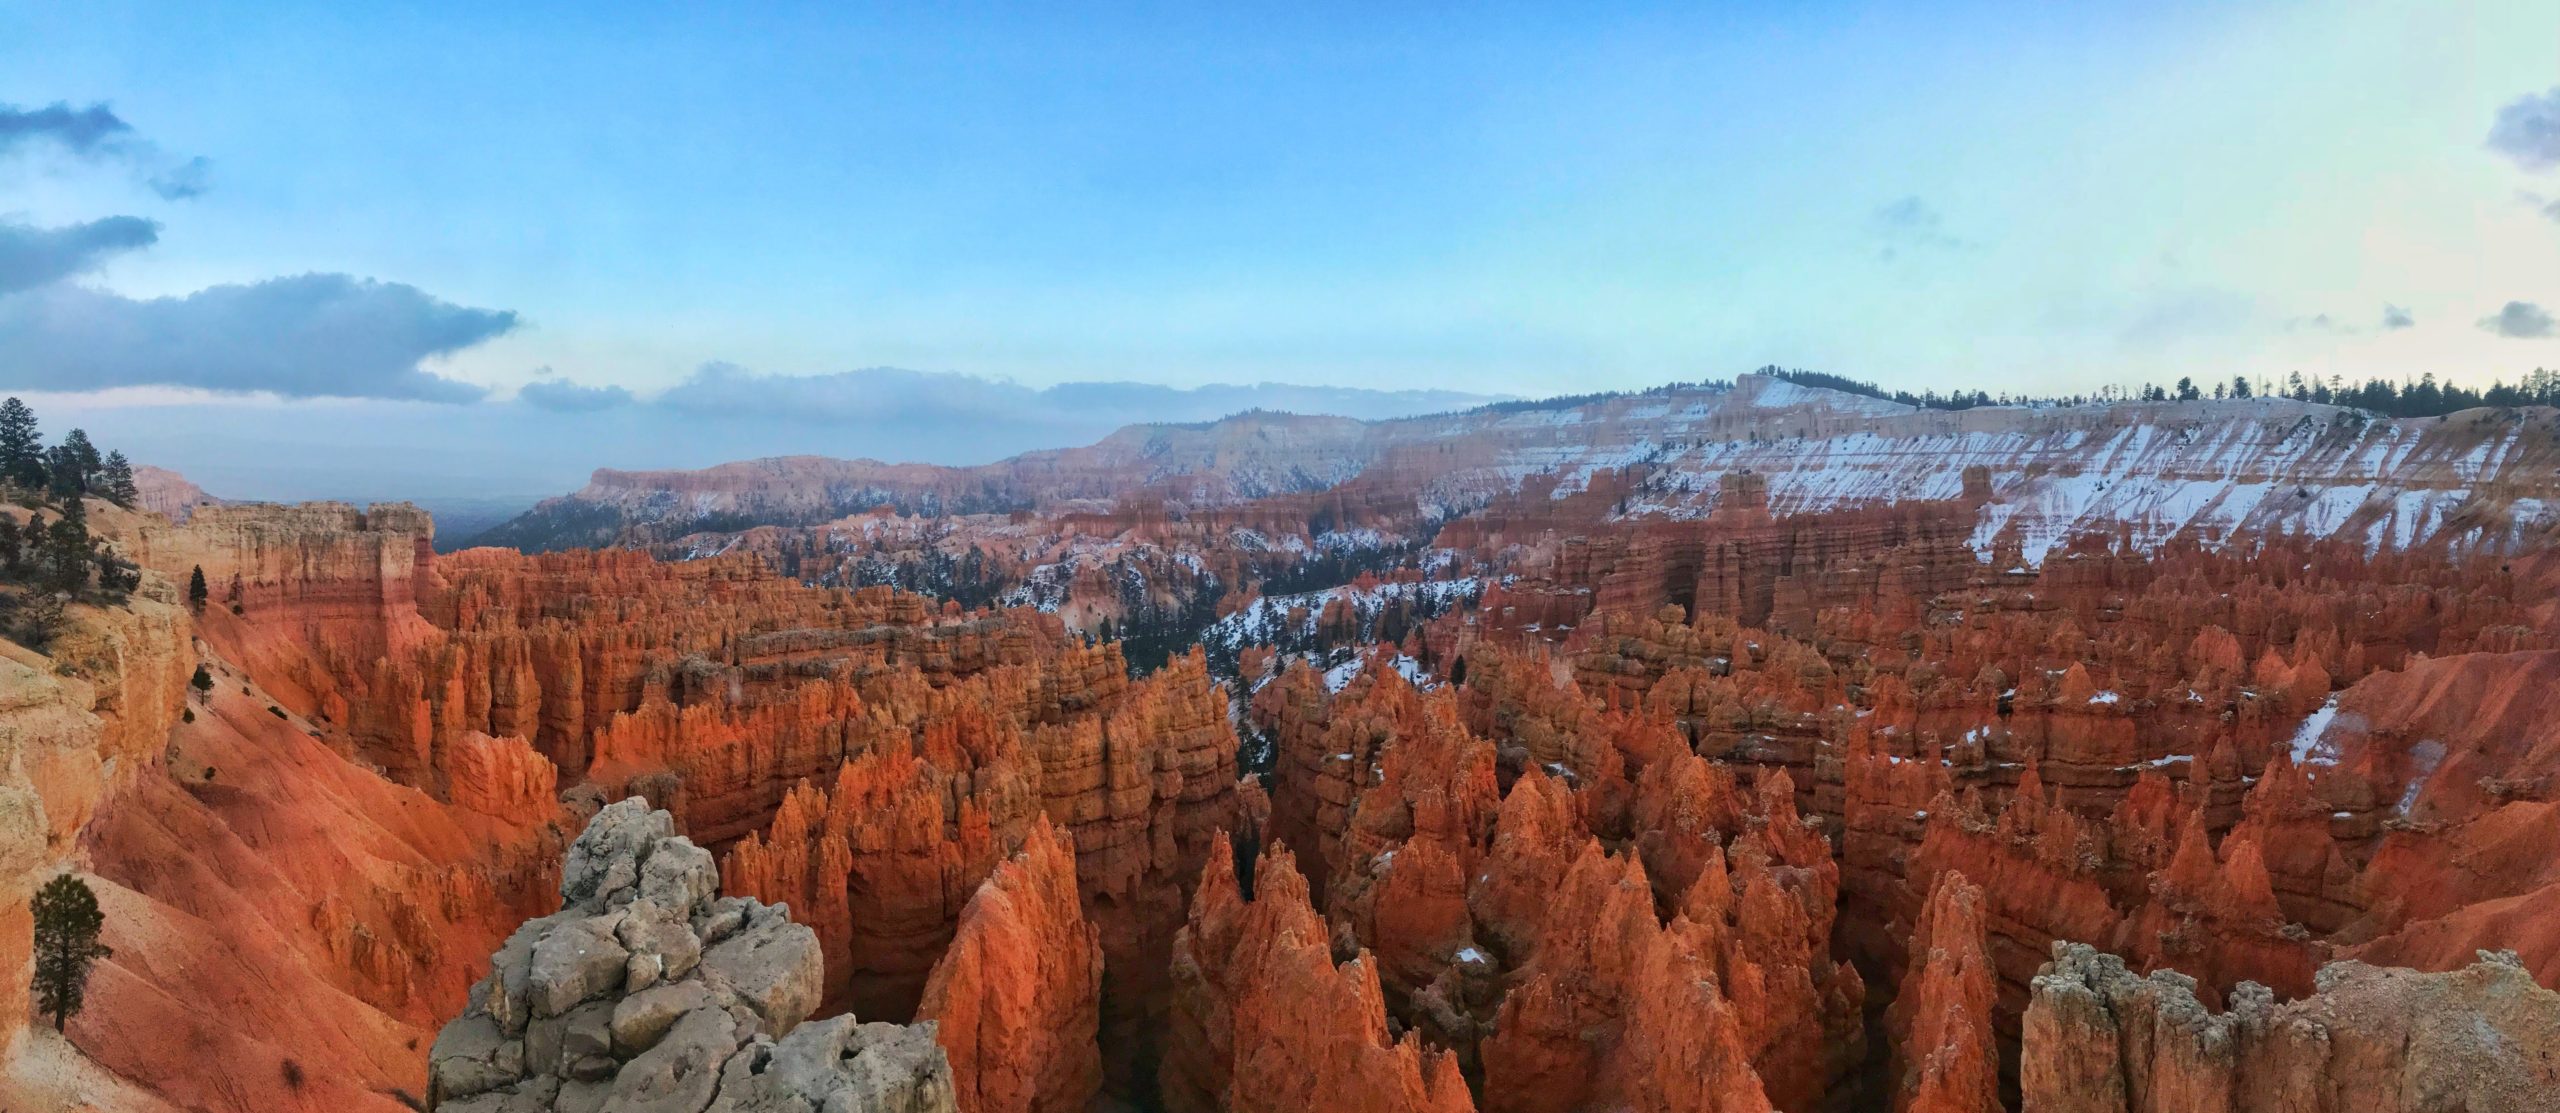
x=2486 y=478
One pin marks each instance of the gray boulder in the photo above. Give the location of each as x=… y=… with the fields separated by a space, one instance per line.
x=649 y=992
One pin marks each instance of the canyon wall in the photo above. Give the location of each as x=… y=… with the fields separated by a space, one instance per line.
x=1713 y=750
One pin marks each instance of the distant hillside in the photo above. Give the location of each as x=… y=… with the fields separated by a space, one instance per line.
x=2482 y=476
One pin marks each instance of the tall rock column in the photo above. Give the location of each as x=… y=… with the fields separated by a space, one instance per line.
x=1017 y=998
x=1263 y=1020
x=1945 y=1059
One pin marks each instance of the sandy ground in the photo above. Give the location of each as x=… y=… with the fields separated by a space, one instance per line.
x=46 y=1073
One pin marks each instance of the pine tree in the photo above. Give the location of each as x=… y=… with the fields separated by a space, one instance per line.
x=64 y=479
x=68 y=550
x=117 y=576
x=12 y=544
x=196 y=590
x=67 y=924
x=21 y=448
x=202 y=680
x=84 y=458
x=116 y=481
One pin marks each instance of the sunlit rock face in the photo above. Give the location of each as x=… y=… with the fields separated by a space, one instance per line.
x=1743 y=749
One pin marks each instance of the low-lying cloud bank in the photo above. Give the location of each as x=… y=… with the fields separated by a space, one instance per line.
x=894 y=394
x=546 y=440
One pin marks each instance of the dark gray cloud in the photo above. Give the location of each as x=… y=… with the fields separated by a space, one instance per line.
x=32 y=256
x=890 y=394
x=2528 y=131
x=89 y=132
x=2521 y=320
x=307 y=336
x=563 y=396
x=97 y=134
x=2320 y=322
x=2394 y=317
x=1911 y=224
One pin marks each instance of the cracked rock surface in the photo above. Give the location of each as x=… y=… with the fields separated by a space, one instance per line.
x=651 y=993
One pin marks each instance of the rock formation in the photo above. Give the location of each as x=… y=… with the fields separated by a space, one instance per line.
x=649 y=991
x=1265 y=1020
x=2386 y=1040
x=1016 y=999
x=1941 y=1023
x=1635 y=754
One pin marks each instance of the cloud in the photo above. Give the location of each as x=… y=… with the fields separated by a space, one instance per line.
x=2395 y=318
x=32 y=256
x=2185 y=317
x=2522 y=320
x=2320 y=322
x=97 y=134
x=922 y=398
x=89 y=132
x=1912 y=224
x=563 y=396
x=2528 y=131
x=307 y=336
x=182 y=181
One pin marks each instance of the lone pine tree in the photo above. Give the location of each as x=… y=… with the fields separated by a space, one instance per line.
x=67 y=923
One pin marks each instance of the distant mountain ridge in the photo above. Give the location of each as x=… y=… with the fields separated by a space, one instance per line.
x=2488 y=477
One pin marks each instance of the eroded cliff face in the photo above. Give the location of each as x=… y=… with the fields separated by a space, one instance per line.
x=1773 y=808
x=370 y=794
x=252 y=875
x=79 y=726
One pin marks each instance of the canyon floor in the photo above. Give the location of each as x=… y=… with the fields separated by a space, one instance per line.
x=1732 y=749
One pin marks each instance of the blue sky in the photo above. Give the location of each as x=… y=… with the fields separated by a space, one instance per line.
x=1526 y=200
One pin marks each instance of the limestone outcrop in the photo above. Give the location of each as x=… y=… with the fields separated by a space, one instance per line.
x=648 y=990
x=2482 y=1039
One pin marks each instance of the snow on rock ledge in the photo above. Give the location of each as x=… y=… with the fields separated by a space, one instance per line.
x=649 y=992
